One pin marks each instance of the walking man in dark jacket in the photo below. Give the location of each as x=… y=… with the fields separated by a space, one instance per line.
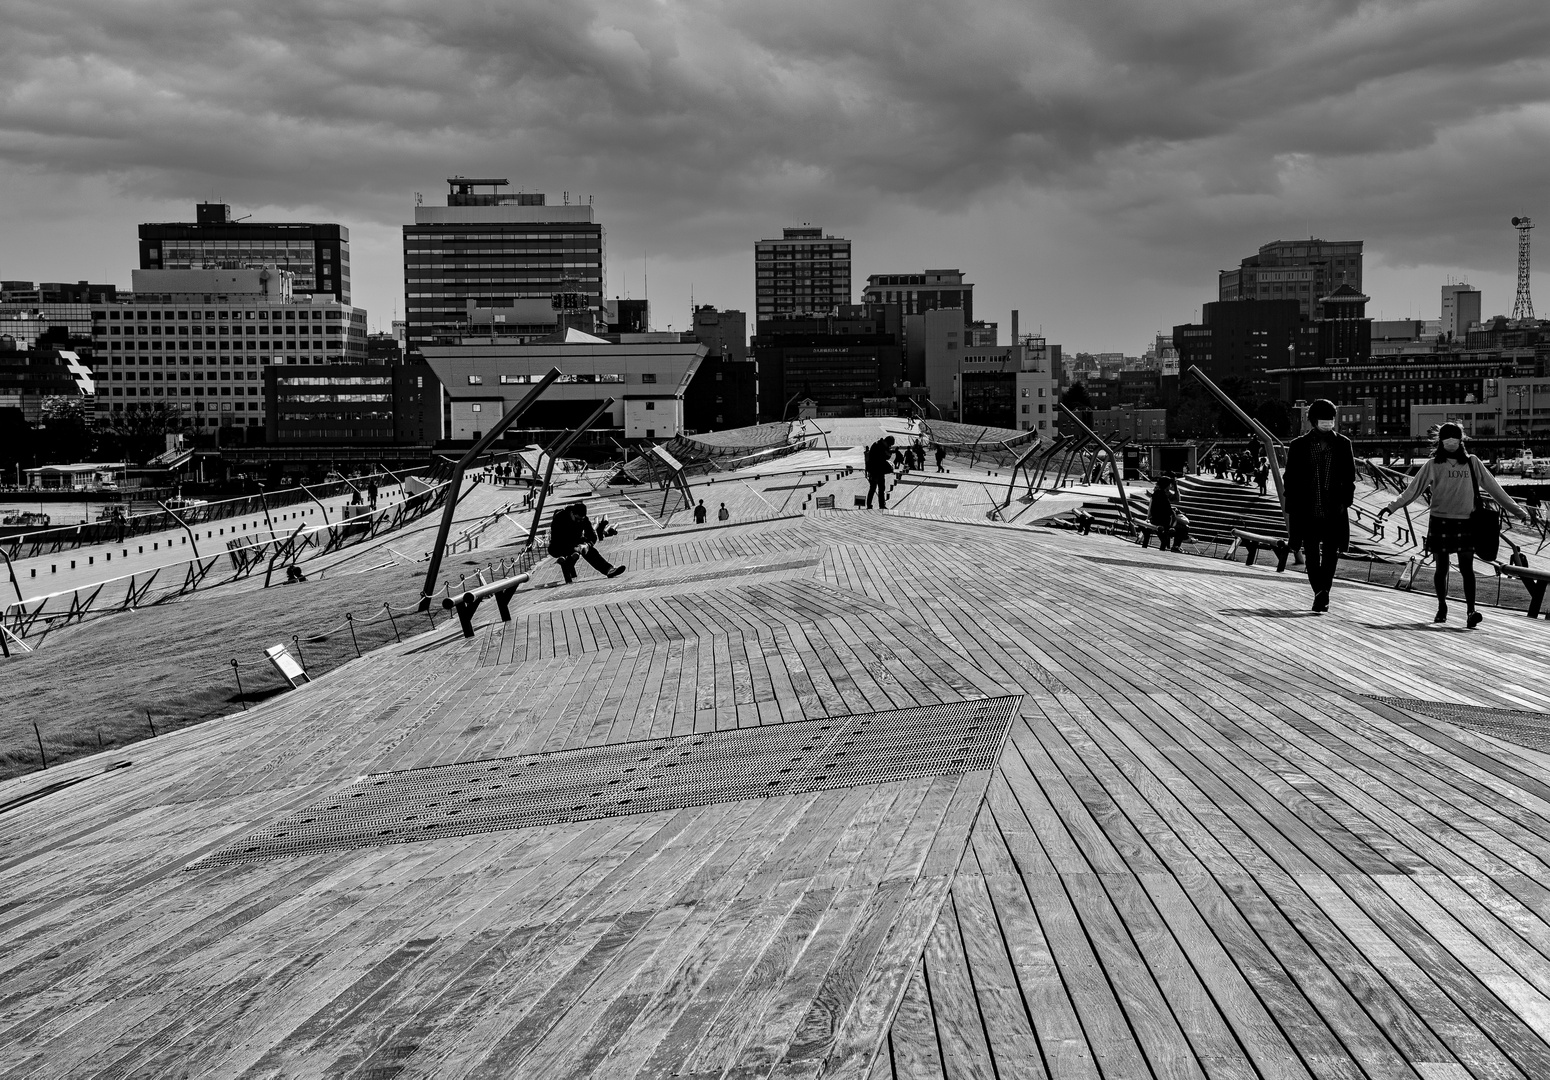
x=1320 y=483
x=877 y=470
x=572 y=537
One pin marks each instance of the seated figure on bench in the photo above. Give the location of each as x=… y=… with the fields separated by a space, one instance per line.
x=572 y=537
x=1180 y=529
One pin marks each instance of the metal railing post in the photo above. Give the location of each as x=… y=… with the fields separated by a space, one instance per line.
x=454 y=490
x=1267 y=440
x=558 y=447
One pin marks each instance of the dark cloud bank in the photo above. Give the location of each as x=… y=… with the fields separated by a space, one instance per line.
x=1172 y=135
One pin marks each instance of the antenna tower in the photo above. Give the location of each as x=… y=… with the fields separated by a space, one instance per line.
x=1523 y=306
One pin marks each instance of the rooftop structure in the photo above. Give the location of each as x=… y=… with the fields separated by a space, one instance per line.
x=829 y=795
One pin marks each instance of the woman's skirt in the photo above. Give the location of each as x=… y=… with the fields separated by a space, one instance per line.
x=1448 y=535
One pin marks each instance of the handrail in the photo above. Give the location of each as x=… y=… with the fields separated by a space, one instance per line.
x=466 y=604
x=455 y=491
x=1267 y=440
x=558 y=447
x=1119 y=483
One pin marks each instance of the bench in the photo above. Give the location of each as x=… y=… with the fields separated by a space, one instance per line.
x=1534 y=580
x=1252 y=542
x=466 y=604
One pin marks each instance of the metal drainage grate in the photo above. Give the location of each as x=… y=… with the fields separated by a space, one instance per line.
x=1531 y=729
x=641 y=777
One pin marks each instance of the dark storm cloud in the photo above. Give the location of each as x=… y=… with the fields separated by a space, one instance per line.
x=1185 y=124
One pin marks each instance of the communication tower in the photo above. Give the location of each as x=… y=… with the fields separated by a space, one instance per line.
x=1523 y=306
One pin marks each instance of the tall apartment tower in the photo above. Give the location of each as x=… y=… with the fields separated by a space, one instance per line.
x=1300 y=270
x=316 y=255
x=802 y=273
x=1460 y=309
x=493 y=248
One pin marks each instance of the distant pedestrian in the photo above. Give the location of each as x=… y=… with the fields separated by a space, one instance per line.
x=699 y=513
x=1262 y=473
x=918 y=452
x=1320 y=485
x=1455 y=477
x=877 y=470
x=371 y=493
x=723 y=514
x=941 y=454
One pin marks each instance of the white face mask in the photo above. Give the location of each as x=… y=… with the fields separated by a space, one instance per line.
x=1326 y=425
x=1450 y=445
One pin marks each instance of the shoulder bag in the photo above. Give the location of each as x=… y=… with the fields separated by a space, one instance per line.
x=1485 y=522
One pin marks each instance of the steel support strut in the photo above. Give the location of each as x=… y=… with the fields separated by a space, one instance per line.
x=455 y=484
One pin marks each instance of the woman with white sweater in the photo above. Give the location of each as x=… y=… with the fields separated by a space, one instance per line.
x=1452 y=474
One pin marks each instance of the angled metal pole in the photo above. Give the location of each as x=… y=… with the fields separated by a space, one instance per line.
x=1269 y=441
x=175 y=516
x=1124 y=500
x=558 y=447
x=455 y=484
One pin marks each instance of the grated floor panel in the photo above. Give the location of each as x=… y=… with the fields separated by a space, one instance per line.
x=640 y=777
x=1531 y=729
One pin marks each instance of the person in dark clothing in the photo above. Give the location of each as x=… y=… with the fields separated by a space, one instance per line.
x=1160 y=512
x=918 y=452
x=941 y=454
x=699 y=513
x=1320 y=485
x=572 y=537
x=371 y=494
x=877 y=470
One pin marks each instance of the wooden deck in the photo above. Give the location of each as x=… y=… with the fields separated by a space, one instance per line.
x=1210 y=848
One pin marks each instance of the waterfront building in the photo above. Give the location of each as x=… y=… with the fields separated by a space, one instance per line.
x=199 y=340
x=1301 y=271
x=352 y=404
x=511 y=253
x=315 y=254
x=804 y=272
x=645 y=374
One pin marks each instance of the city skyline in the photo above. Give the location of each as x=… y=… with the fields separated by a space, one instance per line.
x=1093 y=167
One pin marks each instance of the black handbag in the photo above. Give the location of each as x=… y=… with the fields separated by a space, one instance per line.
x=1485 y=522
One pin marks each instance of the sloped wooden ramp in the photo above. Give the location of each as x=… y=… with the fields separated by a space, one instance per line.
x=1224 y=837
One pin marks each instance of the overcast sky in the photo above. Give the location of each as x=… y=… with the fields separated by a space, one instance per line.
x=1092 y=163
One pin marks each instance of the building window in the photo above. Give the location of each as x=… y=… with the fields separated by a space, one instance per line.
x=651 y=406
x=648 y=377
x=476 y=380
x=475 y=407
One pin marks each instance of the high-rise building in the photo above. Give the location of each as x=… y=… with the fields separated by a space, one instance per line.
x=926 y=291
x=804 y=273
x=1300 y=270
x=198 y=341
x=316 y=255
x=493 y=248
x=1460 y=309
x=724 y=333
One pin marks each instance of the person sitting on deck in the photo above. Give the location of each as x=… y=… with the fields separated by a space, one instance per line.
x=1180 y=527
x=571 y=536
